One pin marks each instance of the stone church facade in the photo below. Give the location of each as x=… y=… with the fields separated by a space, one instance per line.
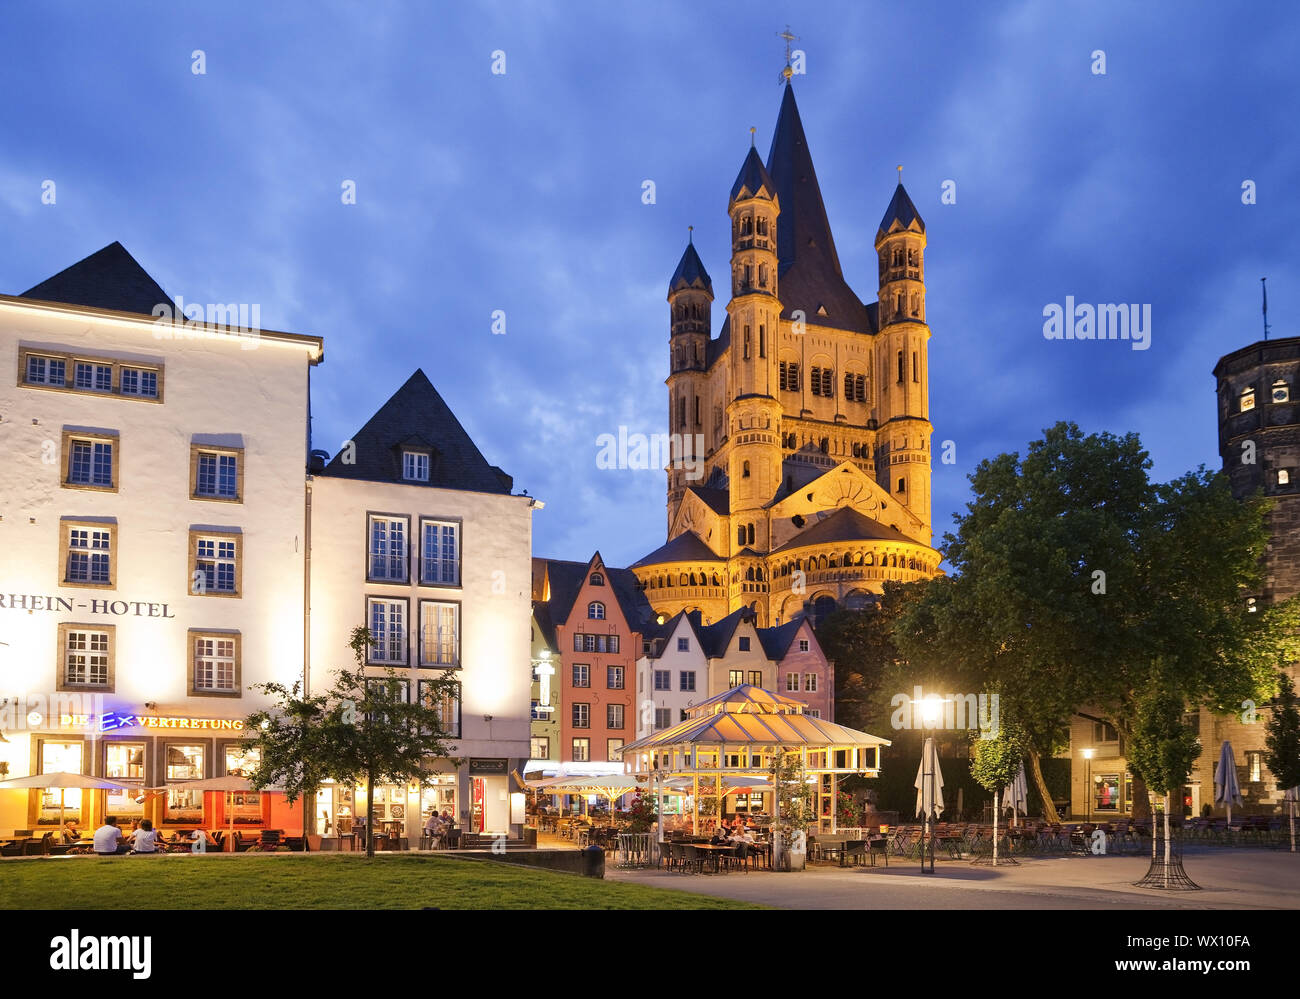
x=811 y=409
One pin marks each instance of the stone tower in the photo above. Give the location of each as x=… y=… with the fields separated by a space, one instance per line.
x=903 y=447
x=690 y=299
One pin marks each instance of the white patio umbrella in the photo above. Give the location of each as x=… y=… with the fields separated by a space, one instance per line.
x=929 y=794
x=1226 y=789
x=1292 y=797
x=1016 y=795
x=63 y=781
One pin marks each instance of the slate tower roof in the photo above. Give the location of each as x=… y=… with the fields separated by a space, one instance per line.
x=690 y=273
x=809 y=277
x=902 y=211
x=107 y=279
x=416 y=418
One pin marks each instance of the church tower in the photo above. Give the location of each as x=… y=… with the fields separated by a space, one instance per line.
x=753 y=411
x=903 y=444
x=690 y=298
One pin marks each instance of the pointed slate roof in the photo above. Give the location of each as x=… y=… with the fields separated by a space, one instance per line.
x=686 y=547
x=753 y=181
x=715 y=638
x=902 y=211
x=776 y=641
x=810 y=278
x=845 y=524
x=107 y=279
x=567 y=579
x=716 y=499
x=690 y=273
x=416 y=416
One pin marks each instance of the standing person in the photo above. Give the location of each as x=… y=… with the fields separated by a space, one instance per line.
x=145 y=839
x=108 y=838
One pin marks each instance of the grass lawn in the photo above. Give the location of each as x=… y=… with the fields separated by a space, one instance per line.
x=318 y=881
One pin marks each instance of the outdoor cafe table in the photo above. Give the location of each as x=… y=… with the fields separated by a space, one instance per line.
x=714 y=853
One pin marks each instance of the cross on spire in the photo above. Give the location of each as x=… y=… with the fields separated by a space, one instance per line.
x=788 y=71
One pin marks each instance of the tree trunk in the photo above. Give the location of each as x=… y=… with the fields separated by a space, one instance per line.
x=305 y=813
x=1169 y=844
x=997 y=795
x=1049 y=809
x=1293 y=827
x=1141 y=800
x=370 y=815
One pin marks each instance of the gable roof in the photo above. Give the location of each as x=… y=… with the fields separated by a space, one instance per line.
x=542 y=615
x=417 y=417
x=809 y=271
x=845 y=524
x=107 y=279
x=567 y=579
x=716 y=499
x=686 y=547
x=715 y=638
x=776 y=641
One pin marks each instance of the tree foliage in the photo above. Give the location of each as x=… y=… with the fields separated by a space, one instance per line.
x=1282 y=736
x=1075 y=575
x=363 y=729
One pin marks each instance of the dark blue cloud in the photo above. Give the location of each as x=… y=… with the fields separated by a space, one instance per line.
x=522 y=193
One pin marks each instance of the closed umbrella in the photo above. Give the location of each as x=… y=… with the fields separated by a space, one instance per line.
x=929 y=794
x=1016 y=796
x=1226 y=790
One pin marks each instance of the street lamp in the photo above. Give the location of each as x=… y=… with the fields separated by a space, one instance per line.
x=1087 y=781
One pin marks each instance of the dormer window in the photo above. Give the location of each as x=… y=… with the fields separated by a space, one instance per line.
x=415 y=466
x=1281 y=391
x=597 y=579
x=1247 y=400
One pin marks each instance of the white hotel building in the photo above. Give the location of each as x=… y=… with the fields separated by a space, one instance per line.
x=164 y=546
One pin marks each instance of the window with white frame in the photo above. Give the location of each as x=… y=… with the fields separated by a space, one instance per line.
x=810 y=682
x=90 y=555
x=539 y=747
x=585 y=642
x=89 y=462
x=581 y=750
x=46 y=370
x=613 y=715
x=735 y=677
x=613 y=749
x=663 y=718
x=86 y=657
x=415 y=466
x=614 y=677
x=803 y=645
x=663 y=679
x=581 y=714
x=439 y=634
x=440 y=553
x=216 y=664
x=687 y=680
x=139 y=381
x=216 y=474
x=92 y=377
x=581 y=675
x=596 y=611
x=387 y=623
x=683 y=645
x=446 y=702
x=387 y=562
x=216 y=562
x=814 y=712
x=792 y=681
x=755 y=678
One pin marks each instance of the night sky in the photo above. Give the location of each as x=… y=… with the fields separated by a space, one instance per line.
x=522 y=192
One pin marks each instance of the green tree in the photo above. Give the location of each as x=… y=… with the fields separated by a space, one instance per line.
x=994 y=764
x=861 y=645
x=1282 y=743
x=1163 y=747
x=363 y=729
x=1075 y=575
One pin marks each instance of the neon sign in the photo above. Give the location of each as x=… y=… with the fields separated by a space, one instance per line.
x=111 y=721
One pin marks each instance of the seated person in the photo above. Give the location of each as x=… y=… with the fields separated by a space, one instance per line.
x=742 y=835
x=720 y=835
x=146 y=838
x=70 y=833
x=108 y=838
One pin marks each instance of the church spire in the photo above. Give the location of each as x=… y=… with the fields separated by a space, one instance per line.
x=753 y=181
x=690 y=273
x=901 y=211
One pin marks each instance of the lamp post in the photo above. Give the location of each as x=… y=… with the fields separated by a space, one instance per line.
x=1087 y=781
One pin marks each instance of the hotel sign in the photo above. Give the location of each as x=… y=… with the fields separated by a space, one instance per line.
x=111 y=721
x=114 y=608
x=488 y=767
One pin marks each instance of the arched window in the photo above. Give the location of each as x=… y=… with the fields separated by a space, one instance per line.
x=745 y=474
x=826 y=445
x=751 y=534
x=915 y=376
x=898 y=256
x=762 y=337
x=597 y=579
x=740 y=534
x=681 y=580
x=900 y=367
x=747 y=335
x=596 y=611
x=749 y=574
x=860 y=388
x=902 y=485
